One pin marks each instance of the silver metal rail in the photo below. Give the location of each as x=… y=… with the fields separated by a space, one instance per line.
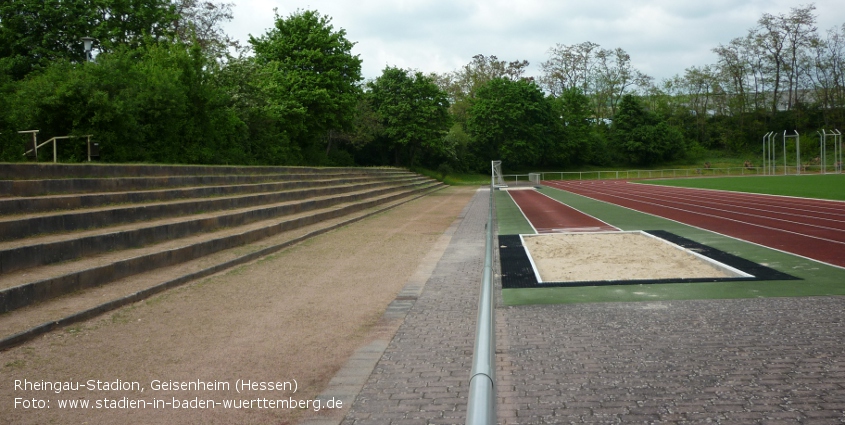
x=35 y=145
x=481 y=407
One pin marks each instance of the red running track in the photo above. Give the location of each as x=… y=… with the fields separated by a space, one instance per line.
x=811 y=228
x=550 y=216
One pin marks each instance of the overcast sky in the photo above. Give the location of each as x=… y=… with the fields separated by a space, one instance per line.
x=663 y=37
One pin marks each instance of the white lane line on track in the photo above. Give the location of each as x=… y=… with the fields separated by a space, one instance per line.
x=728 y=219
x=523 y=213
x=582 y=212
x=713 y=231
x=642 y=198
x=758 y=200
x=702 y=202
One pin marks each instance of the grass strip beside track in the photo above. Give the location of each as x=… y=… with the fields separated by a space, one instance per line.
x=821 y=186
x=819 y=279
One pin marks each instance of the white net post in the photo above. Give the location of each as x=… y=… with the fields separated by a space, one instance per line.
x=497 y=178
x=534 y=179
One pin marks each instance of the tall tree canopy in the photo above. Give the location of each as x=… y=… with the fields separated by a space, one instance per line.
x=34 y=33
x=414 y=114
x=641 y=137
x=312 y=76
x=511 y=120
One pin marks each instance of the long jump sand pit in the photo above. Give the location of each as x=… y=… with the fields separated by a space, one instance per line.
x=617 y=256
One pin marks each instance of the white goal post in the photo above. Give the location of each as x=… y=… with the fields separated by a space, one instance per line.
x=497 y=180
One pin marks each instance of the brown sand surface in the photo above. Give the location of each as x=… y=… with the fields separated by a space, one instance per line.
x=576 y=257
x=293 y=316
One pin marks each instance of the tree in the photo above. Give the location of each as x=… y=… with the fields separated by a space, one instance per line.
x=603 y=75
x=511 y=121
x=569 y=67
x=35 y=33
x=829 y=75
x=481 y=70
x=312 y=76
x=614 y=76
x=783 y=38
x=734 y=67
x=641 y=138
x=577 y=142
x=154 y=104
x=462 y=84
x=414 y=114
x=199 y=21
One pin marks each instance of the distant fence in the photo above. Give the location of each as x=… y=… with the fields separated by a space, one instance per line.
x=684 y=172
x=521 y=179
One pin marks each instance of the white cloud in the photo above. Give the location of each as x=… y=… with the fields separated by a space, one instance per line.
x=663 y=37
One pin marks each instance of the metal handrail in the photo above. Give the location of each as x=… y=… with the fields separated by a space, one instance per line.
x=481 y=407
x=53 y=140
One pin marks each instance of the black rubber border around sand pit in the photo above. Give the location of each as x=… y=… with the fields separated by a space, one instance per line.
x=517 y=272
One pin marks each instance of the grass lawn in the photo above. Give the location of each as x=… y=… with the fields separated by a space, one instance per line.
x=826 y=186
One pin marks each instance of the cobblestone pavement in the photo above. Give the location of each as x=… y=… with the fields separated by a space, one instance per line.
x=423 y=375
x=750 y=361
x=767 y=361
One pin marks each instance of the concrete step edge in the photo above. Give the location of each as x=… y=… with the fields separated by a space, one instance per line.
x=67 y=221
x=37 y=204
x=52 y=171
x=115 y=184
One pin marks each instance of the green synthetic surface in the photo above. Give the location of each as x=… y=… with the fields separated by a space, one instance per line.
x=819 y=279
x=822 y=186
x=508 y=216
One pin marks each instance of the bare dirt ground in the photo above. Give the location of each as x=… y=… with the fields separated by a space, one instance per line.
x=293 y=316
x=613 y=256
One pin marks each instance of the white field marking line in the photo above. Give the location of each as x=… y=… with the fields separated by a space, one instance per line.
x=719 y=265
x=663 y=203
x=523 y=213
x=757 y=199
x=530 y=258
x=588 y=215
x=700 y=201
x=714 y=232
x=725 y=218
x=574 y=230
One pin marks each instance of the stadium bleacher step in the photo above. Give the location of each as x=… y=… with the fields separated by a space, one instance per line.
x=116 y=184
x=144 y=236
x=18 y=205
x=210 y=225
x=13 y=228
x=53 y=248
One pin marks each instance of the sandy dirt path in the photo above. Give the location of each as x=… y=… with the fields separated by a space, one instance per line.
x=293 y=317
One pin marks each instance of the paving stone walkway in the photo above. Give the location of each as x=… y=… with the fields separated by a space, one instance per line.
x=751 y=361
x=766 y=361
x=423 y=375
